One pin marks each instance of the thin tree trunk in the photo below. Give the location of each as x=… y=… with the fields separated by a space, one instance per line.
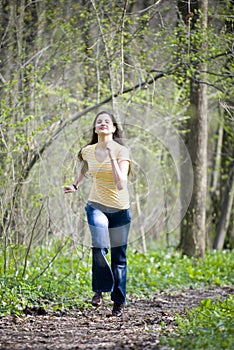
x=226 y=210
x=142 y=230
x=229 y=241
x=217 y=160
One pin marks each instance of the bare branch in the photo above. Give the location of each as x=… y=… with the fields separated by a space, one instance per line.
x=146 y=9
x=77 y=116
x=228 y=108
x=122 y=45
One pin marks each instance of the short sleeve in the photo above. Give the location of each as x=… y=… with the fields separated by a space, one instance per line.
x=123 y=154
x=84 y=153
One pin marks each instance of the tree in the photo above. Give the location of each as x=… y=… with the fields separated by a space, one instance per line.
x=226 y=187
x=222 y=188
x=193 y=234
x=62 y=60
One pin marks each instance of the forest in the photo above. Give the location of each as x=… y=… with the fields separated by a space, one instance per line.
x=165 y=69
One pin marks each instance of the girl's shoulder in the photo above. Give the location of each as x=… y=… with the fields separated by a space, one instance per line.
x=120 y=146
x=88 y=147
x=123 y=152
x=87 y=150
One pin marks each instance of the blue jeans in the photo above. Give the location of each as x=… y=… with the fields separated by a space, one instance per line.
x=109 y=225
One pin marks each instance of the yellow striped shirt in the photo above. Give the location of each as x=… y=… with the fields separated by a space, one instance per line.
x=103 y=189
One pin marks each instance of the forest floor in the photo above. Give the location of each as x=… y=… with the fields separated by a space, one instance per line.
x=143 y=323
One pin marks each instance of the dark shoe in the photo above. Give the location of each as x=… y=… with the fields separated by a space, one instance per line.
x=117 y=310
x=97 y=299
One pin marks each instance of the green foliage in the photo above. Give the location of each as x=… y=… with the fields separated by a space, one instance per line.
x=54 y=279
x=59 y=276
x=209 y=326
x=67 y=56
x=160 y=270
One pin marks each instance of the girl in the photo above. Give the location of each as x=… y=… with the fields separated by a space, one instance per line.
x=107 y=209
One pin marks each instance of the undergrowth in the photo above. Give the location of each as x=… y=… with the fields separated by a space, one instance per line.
x=58 y=277
x=209 y=326
x=161 y=270
x=59 y=280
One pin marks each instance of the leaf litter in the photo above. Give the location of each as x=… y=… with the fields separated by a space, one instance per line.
x=143 y=323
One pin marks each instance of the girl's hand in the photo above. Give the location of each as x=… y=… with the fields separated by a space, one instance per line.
x=69 y=189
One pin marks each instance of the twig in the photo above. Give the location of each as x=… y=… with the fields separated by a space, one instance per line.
x=31 y=239
x=77 y=116
x=50 y=262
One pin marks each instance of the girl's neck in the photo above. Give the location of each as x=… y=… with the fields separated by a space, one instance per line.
x=104 y=138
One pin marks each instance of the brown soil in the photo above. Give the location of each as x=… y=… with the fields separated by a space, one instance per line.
x=143 y=323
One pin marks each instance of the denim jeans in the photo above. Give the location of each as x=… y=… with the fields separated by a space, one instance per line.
x=109 y=226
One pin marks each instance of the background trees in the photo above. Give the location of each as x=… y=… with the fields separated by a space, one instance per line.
x=194 y=231
x=152 y=63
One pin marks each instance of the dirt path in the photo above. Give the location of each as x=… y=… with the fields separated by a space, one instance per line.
x=139 y=328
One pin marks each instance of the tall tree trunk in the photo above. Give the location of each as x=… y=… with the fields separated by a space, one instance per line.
x=229 y=241
x=193 y=230
x=226 y=210
x=213 y=207
x=224 y=222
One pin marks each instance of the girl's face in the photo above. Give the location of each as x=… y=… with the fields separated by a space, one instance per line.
x=104 y=125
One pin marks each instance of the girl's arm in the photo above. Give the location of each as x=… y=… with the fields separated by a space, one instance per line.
x=120 y=172
x=75 y=185
x=120 y=169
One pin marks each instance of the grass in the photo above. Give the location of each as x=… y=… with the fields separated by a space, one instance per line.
x=209 y=326
x=59 y=277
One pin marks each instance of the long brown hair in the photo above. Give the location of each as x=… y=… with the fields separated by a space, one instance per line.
x=117 y=136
